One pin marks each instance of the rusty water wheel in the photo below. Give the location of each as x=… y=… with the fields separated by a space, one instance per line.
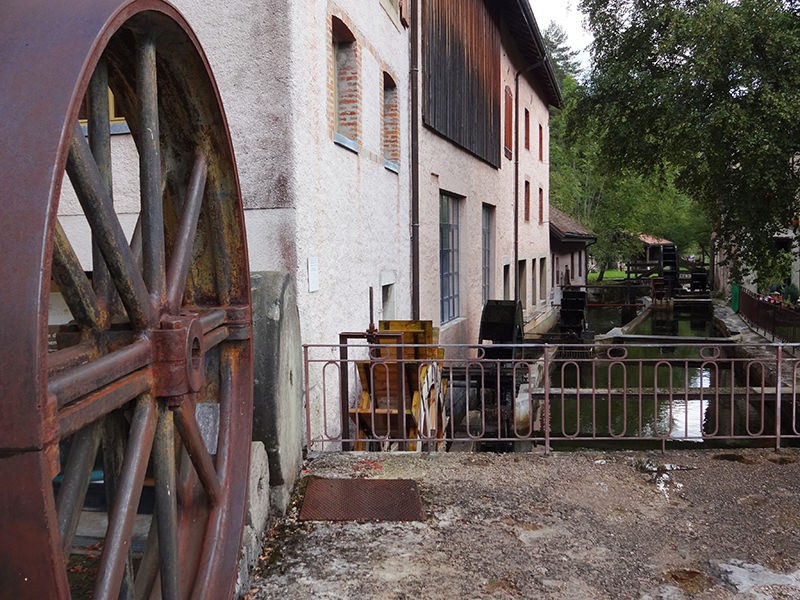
x=148 y=378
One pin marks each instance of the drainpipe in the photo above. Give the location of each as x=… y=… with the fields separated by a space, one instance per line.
x=414 y=85
x=527 y=69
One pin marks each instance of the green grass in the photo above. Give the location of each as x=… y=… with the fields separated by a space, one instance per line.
x=609 y=275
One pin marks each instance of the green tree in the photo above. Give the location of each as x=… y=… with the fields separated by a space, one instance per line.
x=708 y=90
x=563 y=58
x=617 y=204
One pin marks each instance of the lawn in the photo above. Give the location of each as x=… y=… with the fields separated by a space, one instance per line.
x=609 y=275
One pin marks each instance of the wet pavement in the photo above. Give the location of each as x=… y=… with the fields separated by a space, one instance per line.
x=707 y=523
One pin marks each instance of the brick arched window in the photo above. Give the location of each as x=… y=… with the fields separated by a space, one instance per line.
x=391 y=123
x=346 y=93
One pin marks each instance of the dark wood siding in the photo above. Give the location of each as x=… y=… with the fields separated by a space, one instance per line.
x=461 y=75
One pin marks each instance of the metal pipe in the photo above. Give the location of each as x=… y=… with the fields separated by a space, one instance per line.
x=414 y=88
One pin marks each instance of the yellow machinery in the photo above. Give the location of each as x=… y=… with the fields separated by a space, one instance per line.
x=402 y=388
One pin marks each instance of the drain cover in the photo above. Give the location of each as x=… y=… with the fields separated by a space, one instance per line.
x=361 y=500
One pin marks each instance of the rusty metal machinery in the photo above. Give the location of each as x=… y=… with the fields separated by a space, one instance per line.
x=146 y=386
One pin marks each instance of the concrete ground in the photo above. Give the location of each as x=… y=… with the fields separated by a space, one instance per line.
x=710 y=524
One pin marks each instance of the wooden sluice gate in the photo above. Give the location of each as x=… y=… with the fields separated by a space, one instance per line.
x=401 y=386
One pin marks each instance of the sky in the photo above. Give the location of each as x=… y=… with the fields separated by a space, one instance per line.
x=566 y=14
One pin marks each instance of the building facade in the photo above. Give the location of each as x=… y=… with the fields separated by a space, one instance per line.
x=483 y=163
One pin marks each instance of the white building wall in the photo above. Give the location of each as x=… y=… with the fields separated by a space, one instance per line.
x=448 y=168
x=306 y=197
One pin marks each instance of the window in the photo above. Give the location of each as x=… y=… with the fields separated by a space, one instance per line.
x=509 y=136
x=527 y=201
x=506 y=283
x=448 y=256
x=522 y=278
x=346 y=95
x=116 y=119
x=527 y=129
x=541 y=206
x=391 y=124
x=542 y=278
x=534 y=297
x=387 y=302
x=487 y=244
x=541 y=142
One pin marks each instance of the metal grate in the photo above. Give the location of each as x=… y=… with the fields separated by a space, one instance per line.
x=361 y=500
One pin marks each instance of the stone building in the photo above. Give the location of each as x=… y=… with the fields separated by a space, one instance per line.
x=569 y=241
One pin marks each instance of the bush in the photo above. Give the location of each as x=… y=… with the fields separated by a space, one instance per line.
x=790 y=293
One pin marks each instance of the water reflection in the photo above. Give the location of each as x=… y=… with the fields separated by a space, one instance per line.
x=659 y=390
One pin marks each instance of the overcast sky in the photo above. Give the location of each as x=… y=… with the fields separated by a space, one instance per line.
x=566 y=14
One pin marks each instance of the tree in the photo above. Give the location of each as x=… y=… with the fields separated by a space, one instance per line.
x=563 y=58
x=707 y=90
x=617 y=204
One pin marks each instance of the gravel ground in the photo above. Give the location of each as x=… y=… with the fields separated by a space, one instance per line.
x=713 y=524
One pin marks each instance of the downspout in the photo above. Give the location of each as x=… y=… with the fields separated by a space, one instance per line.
x=527 y=69
x=414 y=85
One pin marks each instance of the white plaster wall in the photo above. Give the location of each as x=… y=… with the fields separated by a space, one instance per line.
x=446 y=167
x=353 y=213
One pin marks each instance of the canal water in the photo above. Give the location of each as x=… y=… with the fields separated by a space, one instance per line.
x=663 y=370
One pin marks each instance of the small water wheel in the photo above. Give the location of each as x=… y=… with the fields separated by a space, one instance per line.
x=146 y=384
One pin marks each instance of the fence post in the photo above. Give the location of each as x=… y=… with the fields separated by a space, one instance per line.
x=307 y=394
x=546 y=418
x=344 y=395
x=778 y=390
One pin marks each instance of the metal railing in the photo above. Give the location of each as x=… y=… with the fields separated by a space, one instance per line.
x=776 y=321
x=511 y=397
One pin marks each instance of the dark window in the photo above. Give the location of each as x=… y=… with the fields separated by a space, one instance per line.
x=541 y=142
x=527 y=130
x=541 y=206
x=527 y=201
x=487 y=243
x=508 y=140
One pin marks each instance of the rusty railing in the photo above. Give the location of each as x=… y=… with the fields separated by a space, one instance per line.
x=512 y=397
x=779 y=322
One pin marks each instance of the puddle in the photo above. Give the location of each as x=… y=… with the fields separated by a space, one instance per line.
x=659 y=474
x=751 y=579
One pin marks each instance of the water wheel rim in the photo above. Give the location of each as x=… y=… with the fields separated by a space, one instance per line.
x=39 y=410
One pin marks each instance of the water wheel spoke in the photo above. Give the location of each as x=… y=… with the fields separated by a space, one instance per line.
x=121 y=519
x=70 y=357
x=75 y=482
x=93 y=195
x=182 y=252
x=166 y=502
x=148 y=565
x=71 y=384
x=189 y=430
x=115 y=441
x=150 y=170
x=72 y=281
x=102 y=402
x=231 y=437
x=136 y=243
x=100 y=146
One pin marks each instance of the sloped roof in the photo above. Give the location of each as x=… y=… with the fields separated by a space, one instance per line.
x=651 y=240
x=519 y=18
x=565 y=228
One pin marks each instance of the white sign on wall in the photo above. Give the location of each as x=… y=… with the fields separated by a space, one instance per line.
x=313 y=274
